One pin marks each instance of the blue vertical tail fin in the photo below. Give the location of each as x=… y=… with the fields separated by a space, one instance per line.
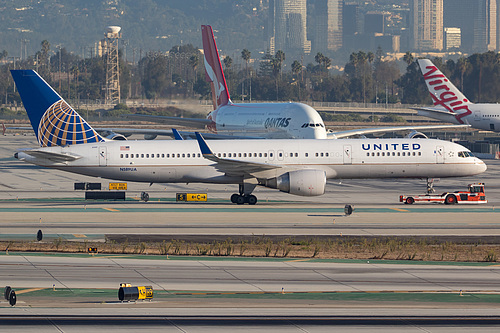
x=54 y=121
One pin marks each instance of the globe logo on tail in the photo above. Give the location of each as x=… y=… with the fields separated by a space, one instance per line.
x=61 y=125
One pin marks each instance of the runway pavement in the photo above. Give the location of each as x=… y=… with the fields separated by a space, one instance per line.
x=318 y=295
x=33 y=198
x=72 y=293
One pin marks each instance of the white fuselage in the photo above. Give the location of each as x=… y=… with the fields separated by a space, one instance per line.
x=170 y=161
x=269 y=120
x=482 y=116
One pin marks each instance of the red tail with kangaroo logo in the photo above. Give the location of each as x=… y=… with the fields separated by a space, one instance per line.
x=213 y=68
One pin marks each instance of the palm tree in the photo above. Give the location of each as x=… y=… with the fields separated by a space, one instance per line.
x=245 y=54
x=296 y=69
x=463 y=65
x=279 y=58
x=408 y=58
x=228 y=61
x=319 y=57
x=193 y=62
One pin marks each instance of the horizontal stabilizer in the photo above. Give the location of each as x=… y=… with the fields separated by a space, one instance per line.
x=52 y=156
x=177 y=121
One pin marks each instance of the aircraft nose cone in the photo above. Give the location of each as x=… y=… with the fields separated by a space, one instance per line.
x=480 y=166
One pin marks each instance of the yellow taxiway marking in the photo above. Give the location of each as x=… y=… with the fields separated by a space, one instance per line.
x=28 y=290
x=111 y=209
x=400 y=210
x=79 y=235
x=298 y=260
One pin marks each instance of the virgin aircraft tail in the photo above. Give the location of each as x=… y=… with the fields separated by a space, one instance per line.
x=444 y=93
x=54 y=121
x=213 y=68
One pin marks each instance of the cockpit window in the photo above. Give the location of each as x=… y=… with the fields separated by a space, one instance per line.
x=312 y=125
x=465 y=154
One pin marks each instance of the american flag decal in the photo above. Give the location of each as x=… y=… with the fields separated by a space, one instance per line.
x=124 y=147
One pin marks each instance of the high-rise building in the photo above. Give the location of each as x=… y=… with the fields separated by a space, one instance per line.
x=288 y=26
x=374 y=22
x=485 y=25
x=327 y=25
x=477 y=20
x=452 y=38
x=351 y=24
x=426 y=25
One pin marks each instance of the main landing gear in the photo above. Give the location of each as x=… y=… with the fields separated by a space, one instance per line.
x=245 y=195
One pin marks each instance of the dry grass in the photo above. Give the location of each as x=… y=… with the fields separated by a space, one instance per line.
x=386 y=248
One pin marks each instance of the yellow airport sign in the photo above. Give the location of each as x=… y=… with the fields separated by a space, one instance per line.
x=145 y=292
x=118 y=186
x=191 y=197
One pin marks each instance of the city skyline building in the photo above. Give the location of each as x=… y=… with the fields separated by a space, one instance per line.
x=288 y=26
x=478 y=22
x=351 y=24
x=426 y=25
x=452 y=38
x=328 y=25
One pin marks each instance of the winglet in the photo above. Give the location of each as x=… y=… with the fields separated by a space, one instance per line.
x=205 y=150
x=177 y=135
x=213 y=68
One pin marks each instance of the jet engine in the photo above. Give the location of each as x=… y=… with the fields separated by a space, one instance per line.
x=416 y=135
x=150 y=136
x=307 y=183
x=113 y=136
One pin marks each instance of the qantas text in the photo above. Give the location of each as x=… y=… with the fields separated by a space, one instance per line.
x=277 y=122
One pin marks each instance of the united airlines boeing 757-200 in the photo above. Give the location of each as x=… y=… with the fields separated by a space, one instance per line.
x=296 y=166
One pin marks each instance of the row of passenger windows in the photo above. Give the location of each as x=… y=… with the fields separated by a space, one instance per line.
x=222 y=155
x=399 y=153
x=159 y=155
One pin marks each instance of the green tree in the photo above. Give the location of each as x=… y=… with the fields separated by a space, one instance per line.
x=246 y=55
x=462 y=65
x=408 y=58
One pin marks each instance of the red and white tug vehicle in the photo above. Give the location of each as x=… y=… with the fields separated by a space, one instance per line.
x=474 y=195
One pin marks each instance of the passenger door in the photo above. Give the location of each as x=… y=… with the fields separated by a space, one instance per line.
x=347 y=154
x=439 y=154
x=103 y=156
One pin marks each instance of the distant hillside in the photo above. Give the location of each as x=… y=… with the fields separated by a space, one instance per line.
x=146 y=24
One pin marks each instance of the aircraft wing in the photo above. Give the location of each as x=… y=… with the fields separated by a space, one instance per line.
x=231 y=166
x=443 y=111
x=177 y=121
x=363 y=131
x=55 y=157
x=150 y=134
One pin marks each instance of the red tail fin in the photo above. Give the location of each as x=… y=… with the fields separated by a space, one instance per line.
x=213 y=68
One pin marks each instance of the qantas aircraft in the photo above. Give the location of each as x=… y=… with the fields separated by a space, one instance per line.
x=296 y=166
x=452 y=106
